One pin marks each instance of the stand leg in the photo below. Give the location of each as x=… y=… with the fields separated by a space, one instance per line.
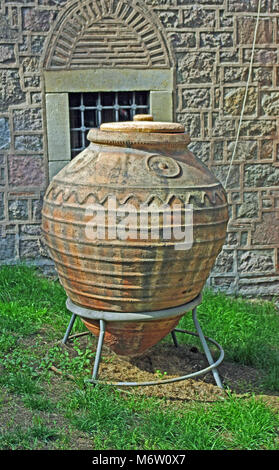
x=69 y=329
x=206 y=349
x=99 y=350
x=174 y=339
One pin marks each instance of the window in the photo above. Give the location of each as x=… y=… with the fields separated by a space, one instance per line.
x=66 y=89
x=89 y=110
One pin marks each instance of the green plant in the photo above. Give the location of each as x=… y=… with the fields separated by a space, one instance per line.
x=160 y=374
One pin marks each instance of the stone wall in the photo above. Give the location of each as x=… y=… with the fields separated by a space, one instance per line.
x=210 y=44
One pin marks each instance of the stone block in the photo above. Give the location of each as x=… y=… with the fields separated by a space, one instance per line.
x=155 y=3
x=32 y=81
x=258 y=128
x=5 y=137
x=27 y=119
x=95 y=79
x=182 y=40
x=37 y=205
x=224 y=262
x=266 y=201
x=222 y=127
x=264 y=287
x=226 y=19
x=262 y=56
x=37 y=44
x=7 y=247
x=245 y=150
x=235 y=74
x=243 y=238
x=10 y=89
x=2 y=206
x=58 y=127
x=192 y=123
x=249 y=209
x=36 y=98
x=230 y=56
x=3 y=177
x=30 y=64
x=232 y=239
x=216 y=39
x=246 y=5
x=262 y=75
x=196 y=67
x=6 y=32
x=196 y=98
x=270 y=103
x=266 y=150
x=37 y=20
x=29 y=143
x=7 y=55
x=246 y=30
x=218 y=150
x=169 y=19
x=29 y=249
x=18 y=209
x=26 y=170
x=266 y=232
x=261 y=175
x=23 y=46
x=224 y=283
x=250 y=261
x=202 y=2
x=197 y=17
x=55 y=3
x=30 y=229
x=234 y=99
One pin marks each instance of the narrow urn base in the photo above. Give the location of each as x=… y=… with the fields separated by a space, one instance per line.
x=131 y=338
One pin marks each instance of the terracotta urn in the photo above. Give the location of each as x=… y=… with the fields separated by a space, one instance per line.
x=108 y=261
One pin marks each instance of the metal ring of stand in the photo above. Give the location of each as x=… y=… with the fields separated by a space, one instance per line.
x=104 y=316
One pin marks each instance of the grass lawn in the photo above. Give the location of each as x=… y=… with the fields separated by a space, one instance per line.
x=43 y=410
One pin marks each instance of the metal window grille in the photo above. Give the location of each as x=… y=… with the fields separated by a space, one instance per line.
x=88 y=110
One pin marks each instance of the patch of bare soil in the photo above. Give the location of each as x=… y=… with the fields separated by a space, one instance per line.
x=165 y=361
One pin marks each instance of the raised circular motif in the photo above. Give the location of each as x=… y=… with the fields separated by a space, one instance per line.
x=81 y=160
x=163 y=166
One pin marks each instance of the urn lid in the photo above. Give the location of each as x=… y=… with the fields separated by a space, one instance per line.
x=143 y=123
x=141 y=131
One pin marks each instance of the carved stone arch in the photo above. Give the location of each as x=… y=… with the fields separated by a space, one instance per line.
x=107 y=33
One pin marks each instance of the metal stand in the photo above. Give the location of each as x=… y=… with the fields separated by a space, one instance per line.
x=113 y=316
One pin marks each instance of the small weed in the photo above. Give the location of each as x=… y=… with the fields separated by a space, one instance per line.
x=160 y=374
x=61 y=358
